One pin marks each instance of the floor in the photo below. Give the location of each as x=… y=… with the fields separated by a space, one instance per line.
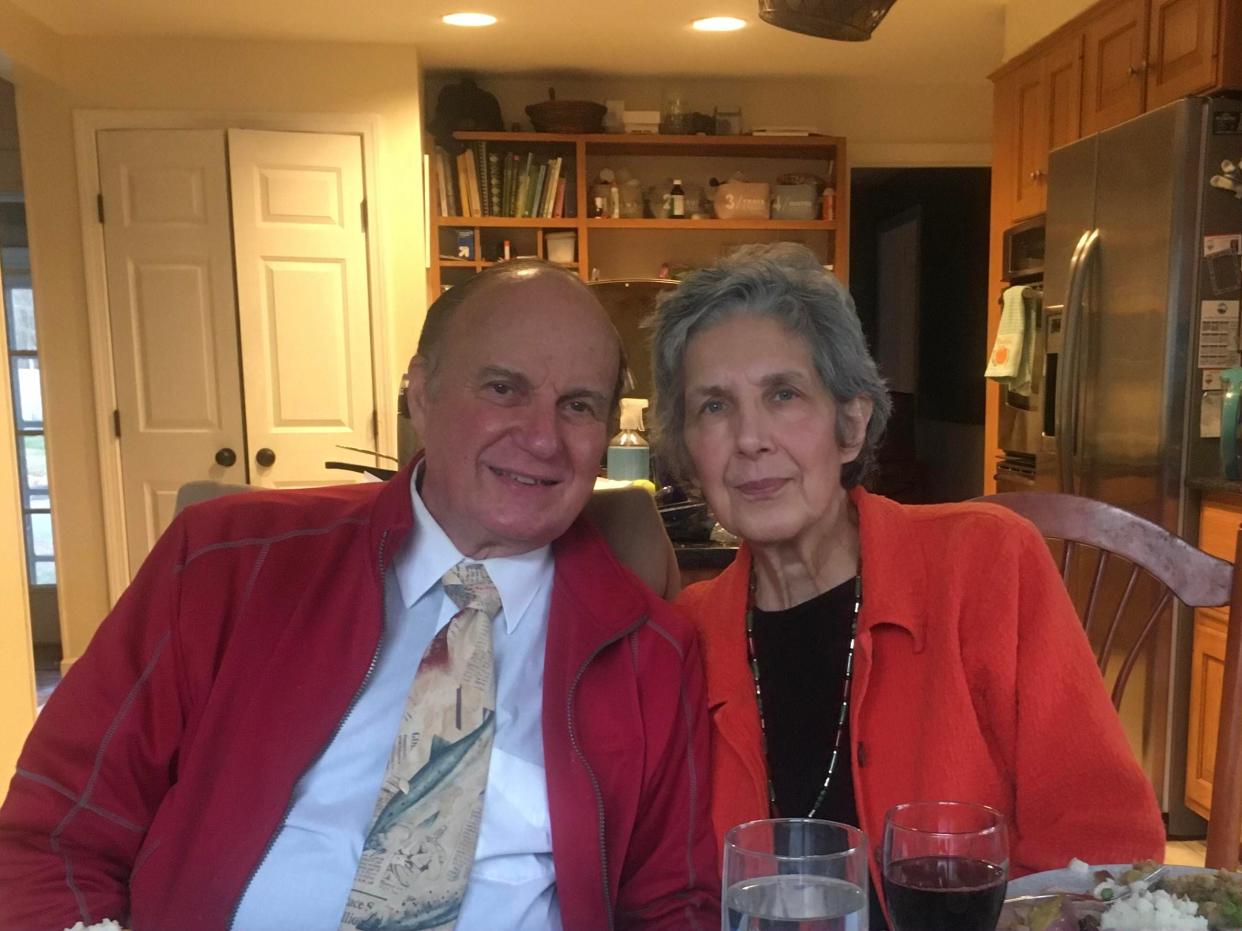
x=1185 y=852
x=47 y=671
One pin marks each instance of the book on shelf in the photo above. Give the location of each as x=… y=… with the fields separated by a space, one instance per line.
x=535 y=202
x=494 y=183
x=444 y=183
x=472 y=183
x=558 y=206
x=523 y=185
x=480 y=160
x=463 y=195
x=549 y=190
x=479 y=182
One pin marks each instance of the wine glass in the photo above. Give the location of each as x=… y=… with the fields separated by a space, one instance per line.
x=945 y=866
x=795 y=874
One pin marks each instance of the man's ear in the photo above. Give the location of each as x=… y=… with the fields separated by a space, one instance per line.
x=416 y=393
x=855 y=414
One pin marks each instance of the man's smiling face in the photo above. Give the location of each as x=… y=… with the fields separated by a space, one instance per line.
x=514 y=417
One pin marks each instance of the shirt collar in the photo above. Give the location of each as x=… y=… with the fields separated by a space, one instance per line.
x=430 y=553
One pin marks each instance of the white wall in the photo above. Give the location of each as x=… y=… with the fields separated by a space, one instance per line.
x=1028 y=21
x=24 y=44
x=199 y=75
x=885 y=125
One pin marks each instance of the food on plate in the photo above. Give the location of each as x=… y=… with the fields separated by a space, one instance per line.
x=1219 y=896
x=1153 y=911
x=1199 y=901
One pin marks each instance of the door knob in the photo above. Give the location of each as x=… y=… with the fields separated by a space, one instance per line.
x=225 y=457
x=265 y=457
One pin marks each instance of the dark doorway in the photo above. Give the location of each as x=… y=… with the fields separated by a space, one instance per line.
x=918 y=273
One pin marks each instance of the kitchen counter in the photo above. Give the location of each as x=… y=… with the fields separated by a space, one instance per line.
x=1215 y=486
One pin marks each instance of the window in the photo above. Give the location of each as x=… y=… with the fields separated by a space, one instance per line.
x=23 y=363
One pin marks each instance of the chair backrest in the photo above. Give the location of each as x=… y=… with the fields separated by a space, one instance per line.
x=1178 y=570
x=1105 y=553
x=627 y=518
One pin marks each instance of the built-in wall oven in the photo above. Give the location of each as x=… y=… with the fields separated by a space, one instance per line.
x=1027 y=421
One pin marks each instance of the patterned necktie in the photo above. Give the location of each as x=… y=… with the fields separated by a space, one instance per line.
x=420 y=849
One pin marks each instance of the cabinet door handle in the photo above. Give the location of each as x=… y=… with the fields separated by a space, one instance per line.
x=225 y=457
x=1136 y=70
x=265 y=457
x=1037 y=175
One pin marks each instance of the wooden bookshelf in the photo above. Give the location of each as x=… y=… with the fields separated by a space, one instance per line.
x=635 y=247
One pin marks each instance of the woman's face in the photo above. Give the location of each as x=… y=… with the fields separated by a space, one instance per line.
x=761 y=430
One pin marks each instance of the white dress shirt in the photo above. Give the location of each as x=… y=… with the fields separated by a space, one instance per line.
x=307 y=874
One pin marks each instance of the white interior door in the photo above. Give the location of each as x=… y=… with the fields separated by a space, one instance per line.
x=303 y=302
x=174 y=326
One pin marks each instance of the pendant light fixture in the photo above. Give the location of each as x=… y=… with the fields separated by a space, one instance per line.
x=848 y=20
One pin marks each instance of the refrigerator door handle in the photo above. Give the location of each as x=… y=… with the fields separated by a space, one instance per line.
x=1068 y=376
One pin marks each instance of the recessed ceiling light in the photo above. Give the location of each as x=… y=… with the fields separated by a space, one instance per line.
x=718 y=24
x=469 y=19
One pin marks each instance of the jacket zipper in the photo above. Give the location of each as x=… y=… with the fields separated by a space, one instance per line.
x=379 y=644
x=573 y=739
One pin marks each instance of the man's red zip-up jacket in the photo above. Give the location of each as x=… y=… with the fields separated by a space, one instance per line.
x=163 y=765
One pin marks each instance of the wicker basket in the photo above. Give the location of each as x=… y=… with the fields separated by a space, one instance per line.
x=566 y=116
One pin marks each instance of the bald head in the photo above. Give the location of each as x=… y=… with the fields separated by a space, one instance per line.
x=504 y=288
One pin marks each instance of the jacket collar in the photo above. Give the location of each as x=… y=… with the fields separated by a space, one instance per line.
x=894 y=578
x=605 y=598
x=893 y=586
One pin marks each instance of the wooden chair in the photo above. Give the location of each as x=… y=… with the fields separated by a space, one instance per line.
x=1122 y=540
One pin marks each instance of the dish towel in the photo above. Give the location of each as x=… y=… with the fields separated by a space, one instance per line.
x=420 y=849
x=1011 y=359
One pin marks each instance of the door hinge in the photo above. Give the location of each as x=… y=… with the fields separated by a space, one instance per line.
x=116 y=423
x=363 y=209
x=375 y=425
x=99 y=206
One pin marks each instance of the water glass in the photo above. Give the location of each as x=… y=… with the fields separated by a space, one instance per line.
x=945 y=866
x=795 y=874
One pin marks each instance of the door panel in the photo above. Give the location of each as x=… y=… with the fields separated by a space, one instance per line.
x=171 y=304
x=1113 y=63
x=1064 y=70
x=303 y=301
x=1207 y=669
x=1182 y=49
x=1031 y=138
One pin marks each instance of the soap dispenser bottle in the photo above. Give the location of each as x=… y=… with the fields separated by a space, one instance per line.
x=629 y=458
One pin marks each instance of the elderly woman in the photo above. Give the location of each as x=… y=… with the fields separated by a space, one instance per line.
x=862 y=653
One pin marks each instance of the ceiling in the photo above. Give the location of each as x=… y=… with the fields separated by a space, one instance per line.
x=936 y=41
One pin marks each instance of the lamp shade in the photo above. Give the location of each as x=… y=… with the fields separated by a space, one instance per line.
x=850 y=20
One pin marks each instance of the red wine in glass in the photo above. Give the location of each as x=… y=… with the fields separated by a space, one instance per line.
x=944 y=894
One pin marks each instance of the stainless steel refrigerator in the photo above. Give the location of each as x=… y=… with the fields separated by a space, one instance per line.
x=1138 y=243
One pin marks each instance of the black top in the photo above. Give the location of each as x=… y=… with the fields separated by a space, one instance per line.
x=802 y=653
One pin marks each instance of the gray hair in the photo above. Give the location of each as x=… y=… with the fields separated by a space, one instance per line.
x=786 y=282
x=446 y=306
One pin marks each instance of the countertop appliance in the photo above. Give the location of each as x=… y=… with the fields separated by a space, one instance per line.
x=1141 y=290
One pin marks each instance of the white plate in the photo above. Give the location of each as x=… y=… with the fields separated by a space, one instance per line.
x=1066 y=880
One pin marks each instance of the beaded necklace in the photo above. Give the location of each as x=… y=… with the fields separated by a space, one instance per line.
x=842 y=717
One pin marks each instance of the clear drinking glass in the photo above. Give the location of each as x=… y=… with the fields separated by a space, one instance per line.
x=945 y=866
x=795 y=874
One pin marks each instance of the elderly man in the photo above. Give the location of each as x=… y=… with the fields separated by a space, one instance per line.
x=436 y=703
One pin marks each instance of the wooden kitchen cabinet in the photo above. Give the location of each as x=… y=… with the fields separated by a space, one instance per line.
x=1219 y=518
x=1183 y=51
x=1038 y=108
x=1115 y=60
x=1207 y=674
x=1115 y=40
